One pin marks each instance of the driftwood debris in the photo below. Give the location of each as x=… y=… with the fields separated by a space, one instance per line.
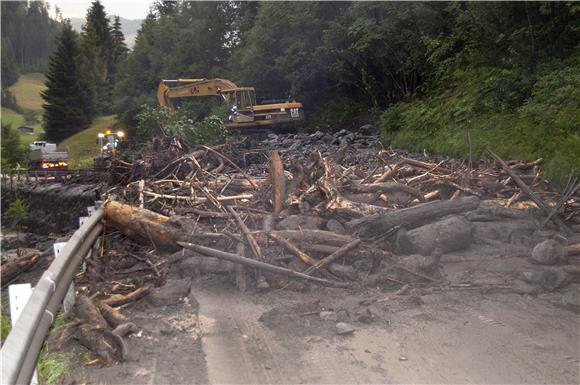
x=12 y=269
x=259 y=265
x=379 y=224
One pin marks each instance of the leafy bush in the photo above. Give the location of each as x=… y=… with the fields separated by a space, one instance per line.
x=13 y=153
x=160 y=121
x=17 y=214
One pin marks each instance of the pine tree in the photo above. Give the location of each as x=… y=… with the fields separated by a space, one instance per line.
x=119 y=49
x=68 y=107
x=97 y=48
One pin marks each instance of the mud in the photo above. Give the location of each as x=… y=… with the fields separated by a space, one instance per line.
x=52 y=207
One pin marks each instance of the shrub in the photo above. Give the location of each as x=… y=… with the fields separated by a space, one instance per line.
x=160 y=121
x=17 y=214
x=503 y=110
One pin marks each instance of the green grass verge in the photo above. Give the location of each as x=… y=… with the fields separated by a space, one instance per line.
x=27 y=91
x=82 y=146
x=5 y=324
x=53 y=364
x=517 y=117
x=12 y=117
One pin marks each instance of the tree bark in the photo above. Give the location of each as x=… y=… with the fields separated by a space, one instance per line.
x=374 y=225
x=11 y=269
x=257 y=264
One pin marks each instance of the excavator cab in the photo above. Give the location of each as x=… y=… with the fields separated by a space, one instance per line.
x=243 y=101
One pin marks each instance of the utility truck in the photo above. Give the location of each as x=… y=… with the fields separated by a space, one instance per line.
x=44 y=156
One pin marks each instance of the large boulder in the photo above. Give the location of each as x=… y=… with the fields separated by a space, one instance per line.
x=548 y=252
x=300 y=222
x=448 y=235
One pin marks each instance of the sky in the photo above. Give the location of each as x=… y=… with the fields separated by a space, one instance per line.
x=129 y=9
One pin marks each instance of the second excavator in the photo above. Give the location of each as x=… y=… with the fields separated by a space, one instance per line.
x=244 y=112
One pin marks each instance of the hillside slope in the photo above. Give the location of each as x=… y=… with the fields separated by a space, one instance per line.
x=27 y=91
x=82 y=146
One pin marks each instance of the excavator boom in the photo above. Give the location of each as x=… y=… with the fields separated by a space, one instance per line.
x=169 y=90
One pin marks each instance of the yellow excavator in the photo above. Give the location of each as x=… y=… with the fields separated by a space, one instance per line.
x=244 y=111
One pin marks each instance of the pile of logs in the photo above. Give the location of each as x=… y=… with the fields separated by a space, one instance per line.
x=269 y=222
x=313 y=218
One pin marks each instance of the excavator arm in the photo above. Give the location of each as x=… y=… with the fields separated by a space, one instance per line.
x=168 y=90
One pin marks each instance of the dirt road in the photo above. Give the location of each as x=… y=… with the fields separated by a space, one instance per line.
x=455 y=338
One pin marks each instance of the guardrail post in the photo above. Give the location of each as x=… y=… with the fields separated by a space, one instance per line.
x=69 y=299
x=18 y=296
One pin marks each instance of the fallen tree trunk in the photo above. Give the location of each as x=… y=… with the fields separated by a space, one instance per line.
x=313 y=236
x=379 y=224
x=120 y=299
x=528 y=191
x=141 y=224
x=278 y=182
x=257 y=264
x=388 y=187
x=147 y=226
x=12 y=269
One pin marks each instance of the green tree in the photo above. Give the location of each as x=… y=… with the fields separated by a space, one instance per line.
x=68 y=107
x=28 y=35
x=119 y=48
x=13 y=154
x=17 y=214
x=177 y=39
x=98 y=56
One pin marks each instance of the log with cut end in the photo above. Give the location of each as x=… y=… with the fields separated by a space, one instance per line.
x=120 y=299
x=375 y=225
x=147 y=226
x=140 y=224
x=278 y=182
x=12 y=269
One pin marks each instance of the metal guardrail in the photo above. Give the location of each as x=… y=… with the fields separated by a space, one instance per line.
x=22 y=346
x=43 y=174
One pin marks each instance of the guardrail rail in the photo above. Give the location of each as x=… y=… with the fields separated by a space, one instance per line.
x=22 y=346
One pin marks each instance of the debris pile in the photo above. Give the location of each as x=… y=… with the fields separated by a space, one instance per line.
x=292 y=211
x=333 y=210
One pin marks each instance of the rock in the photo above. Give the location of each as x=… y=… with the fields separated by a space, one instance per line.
x=300 y=222
x=342 y=328
x=345 y=271
x=367 y=129
x=548 y=252
x=172 y=293
x=335 y=226
x=317 y=135
x=448 y=235
x=571 y=300
x=549 y=279
x=328 y=316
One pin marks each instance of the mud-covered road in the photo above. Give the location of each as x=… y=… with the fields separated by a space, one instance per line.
x=279 y=338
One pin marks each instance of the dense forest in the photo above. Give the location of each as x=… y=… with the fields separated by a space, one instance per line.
x=504 y=74
x=28 y=35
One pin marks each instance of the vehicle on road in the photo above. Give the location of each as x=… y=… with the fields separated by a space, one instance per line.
x=108 y=142
x=44 y=156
